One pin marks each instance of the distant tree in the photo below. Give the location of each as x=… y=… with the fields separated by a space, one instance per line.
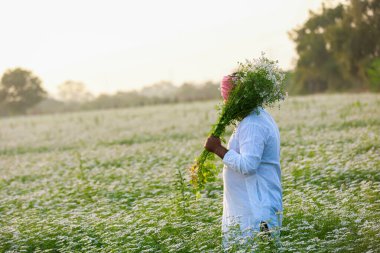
x=316 y=69
x=196 y=92
x=20 y=89
x=373 y=73
x=49 y=105
x=336 y=47
x=289 y=82
x=209 y=90
x=161 y=89
x=73 y=91
x=187 y=92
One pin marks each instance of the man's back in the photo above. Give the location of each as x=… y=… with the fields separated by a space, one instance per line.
x=269 y=170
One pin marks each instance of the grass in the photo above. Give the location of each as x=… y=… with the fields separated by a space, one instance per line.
x=117 y=180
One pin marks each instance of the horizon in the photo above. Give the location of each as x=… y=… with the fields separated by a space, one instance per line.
x=125 y=46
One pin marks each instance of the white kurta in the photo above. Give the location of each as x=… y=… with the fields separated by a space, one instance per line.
x=252 y=175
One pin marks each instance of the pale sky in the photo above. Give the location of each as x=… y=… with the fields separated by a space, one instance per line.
x=123 y=45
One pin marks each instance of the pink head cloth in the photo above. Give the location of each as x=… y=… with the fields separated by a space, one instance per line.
x=225 y=86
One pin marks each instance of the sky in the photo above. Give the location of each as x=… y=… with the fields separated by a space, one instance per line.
x=122 y=45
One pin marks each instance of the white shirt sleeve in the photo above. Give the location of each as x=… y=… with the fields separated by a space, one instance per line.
x=251 y=138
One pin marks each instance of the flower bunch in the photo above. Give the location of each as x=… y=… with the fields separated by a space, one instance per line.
x=257 y=83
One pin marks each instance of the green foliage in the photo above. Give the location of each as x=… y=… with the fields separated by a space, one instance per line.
x=335 y=47
x=289 y=82
x=373 y=72
x=19 y=90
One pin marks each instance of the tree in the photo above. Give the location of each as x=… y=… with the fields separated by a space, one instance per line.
x=336 y=47
x=373 y=73
x=161 y=89
x=20 y=89
x=316 y=69
x=72 y=91
x=356 y=41
x=187 y=92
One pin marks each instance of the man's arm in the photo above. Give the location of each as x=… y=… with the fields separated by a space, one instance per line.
x=252 y=138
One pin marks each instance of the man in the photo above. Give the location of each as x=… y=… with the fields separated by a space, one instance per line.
x=252 y=175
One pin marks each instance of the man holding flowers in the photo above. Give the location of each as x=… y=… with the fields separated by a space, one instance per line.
x=252 y=197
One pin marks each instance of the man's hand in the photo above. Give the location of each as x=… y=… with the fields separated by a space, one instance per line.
x=214 y=145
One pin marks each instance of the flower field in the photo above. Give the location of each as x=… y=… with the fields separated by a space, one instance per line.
x=118 y=180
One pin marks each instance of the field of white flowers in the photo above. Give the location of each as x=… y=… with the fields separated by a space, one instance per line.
x=117 y=180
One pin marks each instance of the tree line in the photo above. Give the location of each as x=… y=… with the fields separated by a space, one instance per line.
x=21 y=92
x=160 y=93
